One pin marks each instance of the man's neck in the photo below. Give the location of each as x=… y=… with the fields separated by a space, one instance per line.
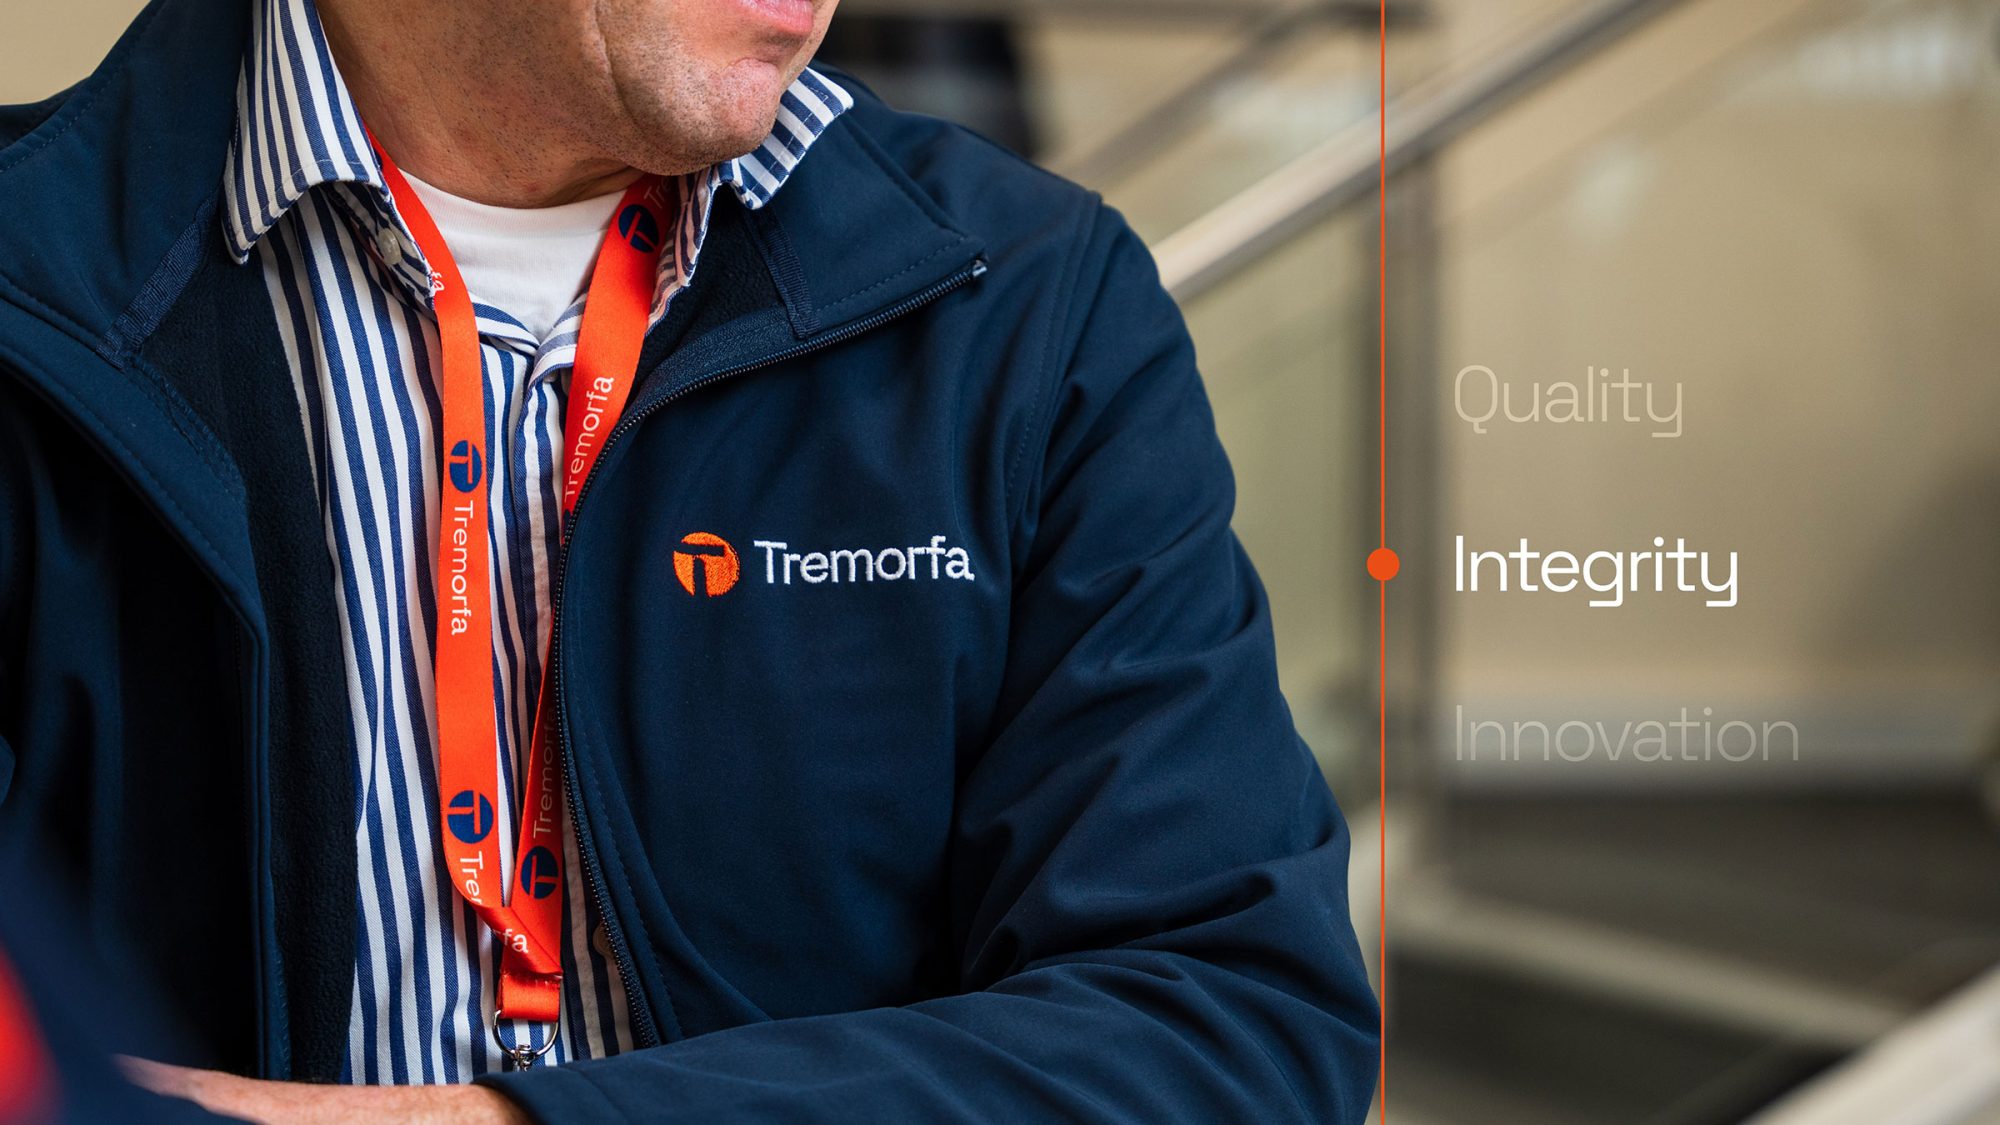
x=432 y=105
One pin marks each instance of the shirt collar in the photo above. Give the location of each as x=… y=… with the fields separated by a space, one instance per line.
x=297 y=128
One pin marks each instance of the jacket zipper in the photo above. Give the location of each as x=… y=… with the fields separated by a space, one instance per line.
x=642 y=1022
x=273 y=1038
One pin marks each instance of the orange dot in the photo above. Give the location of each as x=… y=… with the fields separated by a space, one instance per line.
x=1383 y=564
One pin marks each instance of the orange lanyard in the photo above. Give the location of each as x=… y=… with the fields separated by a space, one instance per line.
x=527 y=916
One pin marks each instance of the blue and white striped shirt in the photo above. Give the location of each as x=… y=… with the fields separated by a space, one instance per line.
x=304 y=195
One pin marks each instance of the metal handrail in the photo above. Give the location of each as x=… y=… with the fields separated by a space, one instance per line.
x=1265 y=37
x=1272 y=211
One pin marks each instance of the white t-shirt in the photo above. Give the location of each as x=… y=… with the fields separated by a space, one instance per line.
x=529 y=262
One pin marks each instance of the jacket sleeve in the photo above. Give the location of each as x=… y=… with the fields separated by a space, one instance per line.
x=1149 y=872
x=14 y=473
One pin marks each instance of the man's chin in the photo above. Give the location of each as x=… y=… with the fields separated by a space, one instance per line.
x=755 y=81
x=731 y=116
x=748 y=96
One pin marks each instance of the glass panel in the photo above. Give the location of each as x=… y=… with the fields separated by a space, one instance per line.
x=1793 y=232
x=1783 y=213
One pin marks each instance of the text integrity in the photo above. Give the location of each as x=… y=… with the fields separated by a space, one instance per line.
x=1608 y=574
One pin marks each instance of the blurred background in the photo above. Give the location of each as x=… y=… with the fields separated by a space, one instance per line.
x=1787 y=212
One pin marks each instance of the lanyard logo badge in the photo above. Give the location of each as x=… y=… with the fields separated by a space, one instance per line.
x=469 y=816
x=638 y=227
x=539 y=874
x=706 y=565
x=466 y=466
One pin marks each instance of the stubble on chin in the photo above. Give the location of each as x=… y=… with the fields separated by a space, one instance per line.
x=683 y=122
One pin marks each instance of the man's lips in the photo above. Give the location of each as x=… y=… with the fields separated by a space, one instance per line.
x=792 y=19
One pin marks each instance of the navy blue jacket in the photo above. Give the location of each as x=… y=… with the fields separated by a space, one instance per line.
x=63 y=1014
x=1019 y=832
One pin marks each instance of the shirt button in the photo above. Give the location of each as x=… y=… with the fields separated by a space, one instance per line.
x=600 y=940
x=390 y=245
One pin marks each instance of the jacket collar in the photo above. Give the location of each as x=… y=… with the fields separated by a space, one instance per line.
x=114 y=184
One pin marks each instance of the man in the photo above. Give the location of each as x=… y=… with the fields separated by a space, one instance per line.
x=910 y=745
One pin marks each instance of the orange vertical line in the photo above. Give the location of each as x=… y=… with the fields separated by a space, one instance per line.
x=1382 y=280
x=1382 y=511
x=1382 y=828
